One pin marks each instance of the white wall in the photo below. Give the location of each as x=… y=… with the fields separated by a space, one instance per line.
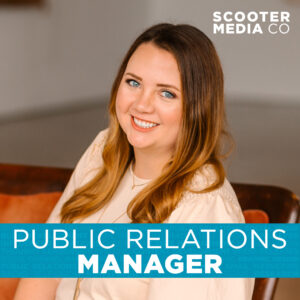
x=68 y=51
x=63 y=53
x=262 y=68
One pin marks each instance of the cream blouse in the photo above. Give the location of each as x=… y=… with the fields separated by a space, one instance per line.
x=218 y=206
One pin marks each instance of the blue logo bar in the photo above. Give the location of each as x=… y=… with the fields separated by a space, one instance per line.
x=149 y=250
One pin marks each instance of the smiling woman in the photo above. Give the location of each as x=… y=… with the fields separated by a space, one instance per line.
x=149 y=107
x=159 y=161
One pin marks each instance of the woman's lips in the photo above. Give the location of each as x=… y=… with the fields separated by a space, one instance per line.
x=142 y=125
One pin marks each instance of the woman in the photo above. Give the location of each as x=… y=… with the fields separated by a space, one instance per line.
x=159 y=161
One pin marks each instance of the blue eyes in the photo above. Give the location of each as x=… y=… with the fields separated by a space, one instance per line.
x=132 y=83
x=135 y=84
x=168 y=95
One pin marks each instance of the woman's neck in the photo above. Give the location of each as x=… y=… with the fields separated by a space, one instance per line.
x=149 y=165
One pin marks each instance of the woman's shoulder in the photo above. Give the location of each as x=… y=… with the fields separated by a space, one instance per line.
x=217 y=206
x=98 y=142
x=86 y=168
x=94 y=152
x=91 y=159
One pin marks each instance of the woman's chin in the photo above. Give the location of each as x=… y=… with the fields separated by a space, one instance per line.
x=141 y=146
x=139 y=143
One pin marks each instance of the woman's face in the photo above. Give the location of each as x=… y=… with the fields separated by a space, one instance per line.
x=149 y=99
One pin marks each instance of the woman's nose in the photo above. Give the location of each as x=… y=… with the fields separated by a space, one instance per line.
x=145 y=102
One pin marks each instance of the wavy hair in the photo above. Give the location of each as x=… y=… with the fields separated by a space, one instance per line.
x=199 y=139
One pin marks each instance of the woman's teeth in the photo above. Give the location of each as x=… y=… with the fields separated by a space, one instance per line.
x=143 y=124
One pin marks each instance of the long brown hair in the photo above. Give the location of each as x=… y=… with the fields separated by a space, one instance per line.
x=198 y=141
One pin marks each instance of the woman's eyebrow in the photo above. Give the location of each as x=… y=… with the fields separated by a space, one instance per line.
x=133 y=75
x=168 y=86
x=159 y=84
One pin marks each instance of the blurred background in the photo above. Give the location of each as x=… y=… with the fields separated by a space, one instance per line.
x=58 y=59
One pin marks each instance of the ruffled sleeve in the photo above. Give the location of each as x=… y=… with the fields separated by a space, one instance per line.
x=218 y=206
x=200 y=288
